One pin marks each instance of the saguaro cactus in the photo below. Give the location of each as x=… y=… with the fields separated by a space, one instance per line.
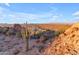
x=26 y=35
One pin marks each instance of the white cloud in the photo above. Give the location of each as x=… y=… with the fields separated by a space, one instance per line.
x=7 y=4
x=76 y=13
x=76 y=16
x=15 y=17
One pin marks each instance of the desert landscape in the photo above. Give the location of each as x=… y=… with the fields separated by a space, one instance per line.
x=39 y=29
x=27 y=39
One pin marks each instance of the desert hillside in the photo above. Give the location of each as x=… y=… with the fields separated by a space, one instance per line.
x=58 y=27
x=66 y=43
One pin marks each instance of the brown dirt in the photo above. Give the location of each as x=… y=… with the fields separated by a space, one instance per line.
x=66 y=43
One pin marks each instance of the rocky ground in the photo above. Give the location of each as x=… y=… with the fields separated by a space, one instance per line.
x=67 y=42
x=13 y=45
x=13 y=40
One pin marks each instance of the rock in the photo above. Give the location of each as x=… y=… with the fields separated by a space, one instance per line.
x=2 y=37
x=66 y=43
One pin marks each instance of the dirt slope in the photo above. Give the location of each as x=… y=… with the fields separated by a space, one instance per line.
x=58 y=27
x=66 y=43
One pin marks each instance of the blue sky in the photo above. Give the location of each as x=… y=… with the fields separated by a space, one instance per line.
x=39 y=12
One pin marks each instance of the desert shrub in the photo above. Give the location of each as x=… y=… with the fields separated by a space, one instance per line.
x=11 y=31
x=4 y=30
x=47 y=35
x=57 y=33
x=1 y=29
x=18 y=34
x=17 y=28
x=36 y=36
x=61 y=31
x=40 y=48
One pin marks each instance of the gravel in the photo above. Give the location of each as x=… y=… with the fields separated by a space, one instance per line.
x=12 y=45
